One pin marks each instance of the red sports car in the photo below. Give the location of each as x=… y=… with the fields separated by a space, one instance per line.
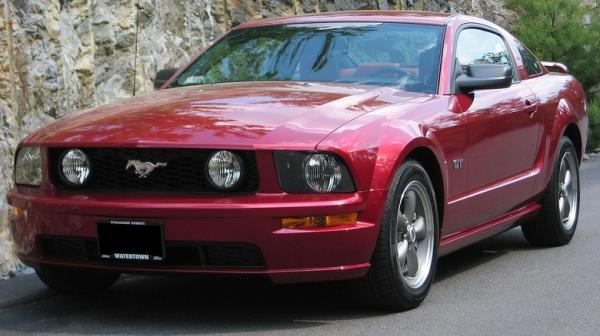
x=354 y=145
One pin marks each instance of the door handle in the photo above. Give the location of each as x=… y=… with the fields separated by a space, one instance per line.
x=531 y=108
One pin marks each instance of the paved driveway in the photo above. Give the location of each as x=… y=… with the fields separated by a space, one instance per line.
x=500 y=286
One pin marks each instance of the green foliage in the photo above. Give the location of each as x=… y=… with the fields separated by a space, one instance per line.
x=565 y=31
x=594 y=115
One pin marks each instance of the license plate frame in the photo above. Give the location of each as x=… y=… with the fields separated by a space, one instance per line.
x=131 y=240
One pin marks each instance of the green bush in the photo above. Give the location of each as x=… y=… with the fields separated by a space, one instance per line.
x=594 y=117
x=566 y=31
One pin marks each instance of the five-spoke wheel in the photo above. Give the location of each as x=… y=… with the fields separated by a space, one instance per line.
x=557 y=220
x=414 y=237
x=405 y=258
x=568 y=191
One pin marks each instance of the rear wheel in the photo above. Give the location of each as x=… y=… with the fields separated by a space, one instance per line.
x=76 y=281
x=556 y=223
x=405 y=258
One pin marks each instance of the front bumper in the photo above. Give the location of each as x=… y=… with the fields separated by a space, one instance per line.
x=290 y=255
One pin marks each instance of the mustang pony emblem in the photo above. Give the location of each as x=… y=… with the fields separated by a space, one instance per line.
x=143 y=169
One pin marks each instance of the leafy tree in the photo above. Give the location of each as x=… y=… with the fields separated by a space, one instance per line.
x=565 y=31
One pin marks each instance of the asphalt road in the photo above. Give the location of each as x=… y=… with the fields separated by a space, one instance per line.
x=500 y=286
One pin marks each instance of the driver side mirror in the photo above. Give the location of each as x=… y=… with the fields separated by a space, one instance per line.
x=484 y=77
x=162 y=77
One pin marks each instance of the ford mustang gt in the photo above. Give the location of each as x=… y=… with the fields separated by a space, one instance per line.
x=356 y=146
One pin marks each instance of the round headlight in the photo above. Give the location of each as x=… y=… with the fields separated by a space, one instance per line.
x=75 y=167
x=322 y=172
x=224 y=169
x=28 y=166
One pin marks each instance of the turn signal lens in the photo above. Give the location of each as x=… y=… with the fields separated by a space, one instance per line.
x=15 y=213
x=319 y=221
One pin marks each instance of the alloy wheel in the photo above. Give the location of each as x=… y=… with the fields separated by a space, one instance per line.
x=568 y=191
x=414 y=239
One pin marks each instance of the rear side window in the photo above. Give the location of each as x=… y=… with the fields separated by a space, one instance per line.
x=477 y=46
x=532 y=66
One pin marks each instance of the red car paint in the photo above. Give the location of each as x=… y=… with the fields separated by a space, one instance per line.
x=507 y=139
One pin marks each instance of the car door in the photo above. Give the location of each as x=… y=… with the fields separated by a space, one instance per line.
x=502 y=132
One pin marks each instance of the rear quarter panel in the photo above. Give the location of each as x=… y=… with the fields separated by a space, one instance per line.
x=561 y=103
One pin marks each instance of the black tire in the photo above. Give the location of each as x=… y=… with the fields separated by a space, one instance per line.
x=76 y=281
x=547 y=228
x=385 y=287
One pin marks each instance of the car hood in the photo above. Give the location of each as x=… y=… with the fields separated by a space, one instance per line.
x=268 y=115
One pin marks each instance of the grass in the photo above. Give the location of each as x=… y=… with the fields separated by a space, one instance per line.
x=594 y=116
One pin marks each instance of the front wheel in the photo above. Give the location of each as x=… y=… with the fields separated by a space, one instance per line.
x=405 y=258
x=556 y=223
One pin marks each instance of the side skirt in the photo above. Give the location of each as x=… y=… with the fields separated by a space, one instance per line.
x=458 y=240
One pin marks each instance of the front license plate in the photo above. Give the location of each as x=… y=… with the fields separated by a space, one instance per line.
x=131 y=240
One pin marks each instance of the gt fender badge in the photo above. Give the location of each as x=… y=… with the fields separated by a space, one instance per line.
x=457 y=164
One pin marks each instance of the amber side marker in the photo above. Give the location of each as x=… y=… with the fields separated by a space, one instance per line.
x=319 y=221
x=15 y=213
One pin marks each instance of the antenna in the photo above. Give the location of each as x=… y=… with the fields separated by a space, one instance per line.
x=137 y=28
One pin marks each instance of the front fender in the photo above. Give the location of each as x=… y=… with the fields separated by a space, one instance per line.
x=395 y=150
x=377 y=145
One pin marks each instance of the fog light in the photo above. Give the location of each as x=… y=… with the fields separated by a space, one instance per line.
x=224 y=169
x=319 y=221
x=75 y=167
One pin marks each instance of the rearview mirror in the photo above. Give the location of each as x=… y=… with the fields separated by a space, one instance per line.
x=485 y=77
x=162 y=77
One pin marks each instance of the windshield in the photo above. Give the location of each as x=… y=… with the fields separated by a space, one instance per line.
x=405 y=56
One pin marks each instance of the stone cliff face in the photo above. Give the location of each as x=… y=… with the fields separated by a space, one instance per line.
x=74 y=54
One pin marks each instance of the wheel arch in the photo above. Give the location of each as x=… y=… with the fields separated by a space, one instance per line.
x=423 y=147
x=574 y=134
x=427 y=158
x=565 y=123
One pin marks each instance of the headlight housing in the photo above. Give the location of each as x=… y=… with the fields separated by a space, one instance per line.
x=322 y=172
x=75 y=167
x=306 y=172
x=28 y=166
x=225 y=170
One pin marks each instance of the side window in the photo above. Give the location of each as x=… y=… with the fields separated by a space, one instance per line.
x=476 y=46
x=532 y=66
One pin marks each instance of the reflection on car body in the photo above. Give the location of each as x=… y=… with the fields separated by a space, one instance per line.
x=340 y=146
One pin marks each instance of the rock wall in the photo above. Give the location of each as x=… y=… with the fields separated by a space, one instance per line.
x=74 y=54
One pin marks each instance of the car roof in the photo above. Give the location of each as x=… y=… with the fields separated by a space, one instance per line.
x=432 y=18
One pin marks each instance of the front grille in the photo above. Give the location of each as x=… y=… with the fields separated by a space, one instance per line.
x=177 y=254
x=184 y=173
